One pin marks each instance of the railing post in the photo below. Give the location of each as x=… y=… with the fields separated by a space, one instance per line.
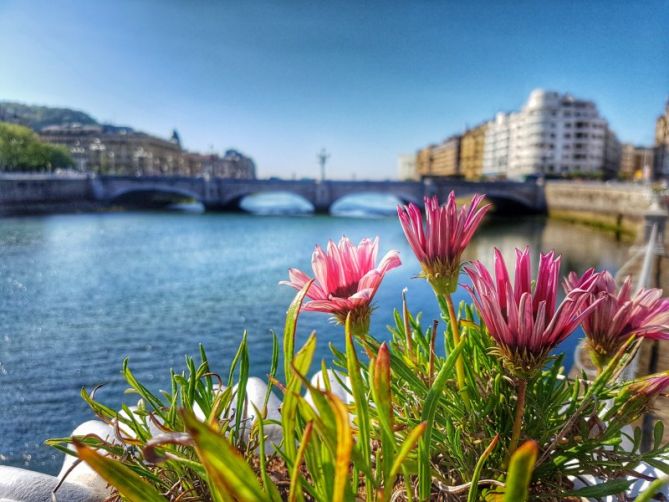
x=655 y=220
x=655 y=216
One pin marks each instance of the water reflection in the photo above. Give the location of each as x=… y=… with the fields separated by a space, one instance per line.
x=276 y=203
x=365 y=205
x=580 y=246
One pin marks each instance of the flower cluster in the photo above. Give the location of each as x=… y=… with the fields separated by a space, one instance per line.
x=522 y=316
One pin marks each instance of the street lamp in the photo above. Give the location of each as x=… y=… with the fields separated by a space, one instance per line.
x=323 y=157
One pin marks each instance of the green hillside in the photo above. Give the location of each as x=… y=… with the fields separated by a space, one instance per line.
x=38 y=117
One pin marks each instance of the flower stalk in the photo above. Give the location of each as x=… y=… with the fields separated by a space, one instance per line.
x=459 y=363
x=521 y=387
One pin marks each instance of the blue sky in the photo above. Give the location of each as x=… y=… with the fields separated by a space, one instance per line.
x=366 y=80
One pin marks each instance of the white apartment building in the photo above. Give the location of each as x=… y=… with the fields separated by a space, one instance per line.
x=552 y=134
x=496 y=146
x=406 y=167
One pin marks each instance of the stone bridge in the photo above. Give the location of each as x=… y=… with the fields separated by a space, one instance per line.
x=227 y=194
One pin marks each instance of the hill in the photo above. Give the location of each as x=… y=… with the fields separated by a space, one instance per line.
x=38 y=117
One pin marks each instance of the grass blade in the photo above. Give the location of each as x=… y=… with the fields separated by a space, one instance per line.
x=229 y=475
x=473 y=489
x=519 y=476
x=121 y=477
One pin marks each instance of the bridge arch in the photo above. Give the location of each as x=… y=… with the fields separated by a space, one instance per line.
x=373 y=202
x=510 y=203
x=277 y=200
x=152 y=197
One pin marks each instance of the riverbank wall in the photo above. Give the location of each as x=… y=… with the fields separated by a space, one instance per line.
x=616 y=207
x=44 y=195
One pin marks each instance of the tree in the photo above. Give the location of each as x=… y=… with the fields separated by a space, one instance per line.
x=21 y=150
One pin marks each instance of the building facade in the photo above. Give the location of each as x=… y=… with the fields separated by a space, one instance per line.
x=115 y=150
x=496 y=147
x=440 y=160
x=635 y=162
x=557 y=134
x=661 y=168
x=472 y=147
x=103 y=149
x=407 y=167
x=424 y=161
x=232 y=164
x=553 y=134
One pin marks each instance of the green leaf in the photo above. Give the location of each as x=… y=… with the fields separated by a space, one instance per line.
x=408 y=445
x=144 y=393
x=291 y=327
x=429 y=410
x=473 y=490
x=229 y=476
x=649 y=493
x=121 y=477
x=361 y=404
x=295 y=494
x=241 y=386
x=344 y=448
x=270 y=488
x=519 y=476
x=379 y=376
x=612 y=487
x=658 y=434
x=300 y=366
x=658 y=464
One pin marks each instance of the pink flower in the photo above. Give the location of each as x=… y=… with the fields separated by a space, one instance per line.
x=637 y=398
x=651 y=386
x=447 y=232
x=620 y=313
x=525 y=321
x=346 y=278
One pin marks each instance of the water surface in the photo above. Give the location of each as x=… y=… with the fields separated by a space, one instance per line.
x=81 y=292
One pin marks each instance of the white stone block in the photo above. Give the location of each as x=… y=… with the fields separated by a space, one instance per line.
x=336 y=387
x=22 y=485
x=82 y=474
x=256 y=389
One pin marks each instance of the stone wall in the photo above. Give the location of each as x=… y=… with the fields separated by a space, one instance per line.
x=36 y=194
x=614 y=206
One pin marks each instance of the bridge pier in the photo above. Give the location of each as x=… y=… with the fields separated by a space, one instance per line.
x=321 y=209
x=217 y=207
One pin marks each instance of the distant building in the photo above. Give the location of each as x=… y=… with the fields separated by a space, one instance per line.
x=612 y=154
x=559 y=134
x=472 y=147
x=106 y=149
x=553 y=134
x=116 y=150
x=406 y=167
x=440 y=160
x=662 y=144
x=234 y=165
x=424 y=161
x=635 y=162
x=497 y=147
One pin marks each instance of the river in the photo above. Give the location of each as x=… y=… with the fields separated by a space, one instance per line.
x=81 y=292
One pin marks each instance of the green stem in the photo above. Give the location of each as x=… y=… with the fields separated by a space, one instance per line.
x=459 y=363
x=518 y=419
